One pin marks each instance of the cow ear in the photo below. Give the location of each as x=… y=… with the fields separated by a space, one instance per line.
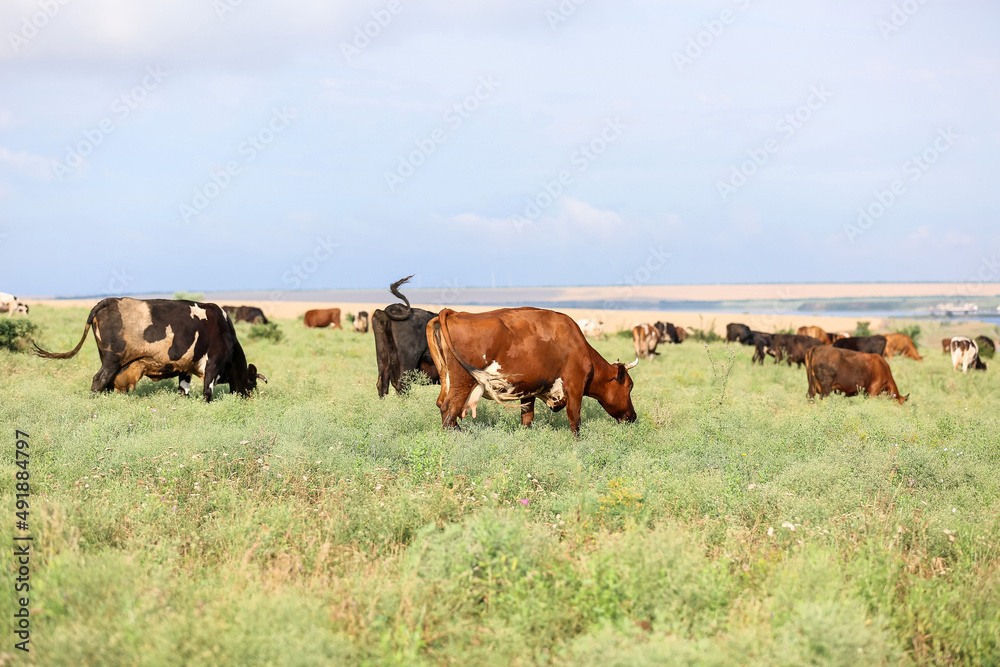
x=621 y=372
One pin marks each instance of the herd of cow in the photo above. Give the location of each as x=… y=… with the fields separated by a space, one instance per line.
x=512 y=355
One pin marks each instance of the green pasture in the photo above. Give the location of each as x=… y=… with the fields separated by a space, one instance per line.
x=316 y=524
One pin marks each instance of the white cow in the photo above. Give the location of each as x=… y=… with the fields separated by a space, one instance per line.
x=590 y=328
x=965 y=351
x=9 y=304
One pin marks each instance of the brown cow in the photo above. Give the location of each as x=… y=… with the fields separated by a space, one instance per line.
x=681 y=334
x=830 y=369
x=645 y=338
x=795 y=347
x=322 y=317
x=520 y=354
x=817 y=333
x=897 y=343
x=946 y=345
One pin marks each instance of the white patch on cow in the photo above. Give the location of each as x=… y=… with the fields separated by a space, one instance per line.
x=225 y=315
x=185 y=387
x=199 y=312
x=964 y=351
x=555 y=395
x=211 y=386
x=201 y=365
x=494 y=384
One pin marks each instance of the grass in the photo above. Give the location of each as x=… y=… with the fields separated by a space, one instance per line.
x=316 y=524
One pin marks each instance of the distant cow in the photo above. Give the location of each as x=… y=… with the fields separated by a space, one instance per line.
x=361 y=322
x=830 y=369
x=897 y=343
x=869 y=344
x=681 y=334
x=401 y=343
x=520 y=354
x=11 y=305
x=987 y=348
x=668 y=332
x=249 y=314
x=791 y=347
x=645 y=338
x=946 y=345
x=590 y=328
x=965 y=353
x=322 y=317
x=738 y=332
x=165 y=338
x=817 y=333
x=762 y=343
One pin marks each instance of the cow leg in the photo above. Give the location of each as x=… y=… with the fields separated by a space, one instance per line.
x=209 y=378
x=104 y=380
x=527 y=411
x=573 y=407
x=184 y=385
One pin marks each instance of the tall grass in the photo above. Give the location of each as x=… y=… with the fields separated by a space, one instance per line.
x=316 y=524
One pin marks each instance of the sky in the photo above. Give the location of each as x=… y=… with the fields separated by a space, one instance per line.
x=254 y=144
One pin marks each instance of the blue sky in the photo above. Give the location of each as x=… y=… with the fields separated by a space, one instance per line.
x=252 y=144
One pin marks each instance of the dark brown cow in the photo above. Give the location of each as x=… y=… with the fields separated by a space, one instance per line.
x=792 y=347
x=897 y=343
x=763 y=346
x=946 y=345
x=869 y=344
x=645 y=338
x=681 y=334
x=830 y=369
x=165 y=338
x=668 y=333
x=520 y=354
x=250 y=314
x=738 y=332
x=400 y=333
x=322 y=317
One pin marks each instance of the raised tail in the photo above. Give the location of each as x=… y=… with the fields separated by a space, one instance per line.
x=72 y=353
x=393 y=310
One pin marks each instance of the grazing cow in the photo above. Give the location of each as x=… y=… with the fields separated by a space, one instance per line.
x=11 y=305
x=361 y=322
x=681 y=335
x=830 y=369
x=401 y=343
x=165 y=338
x=668 y=332
x=520 y=354
x=590 y=328
x=763 y=346
x=965 y=352
x=946 y=345
x=987 y=348
x=322 y=317
x=739 y=332
x=869 y=344
x=250 y=314
x=645 y=338
x=897 y=343
x=793 y=347
x=817 y=333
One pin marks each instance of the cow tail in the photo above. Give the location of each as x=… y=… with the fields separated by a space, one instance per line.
x=481 y=377
x=436 y=347
x=72 y=353
x=389 y=310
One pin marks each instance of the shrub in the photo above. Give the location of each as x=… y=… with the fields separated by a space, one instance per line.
x=911 y=330
x=189 y=296
x=269 y=331
x=863 y=329
x=350 y=318
x=705 y=335
x=15 y=334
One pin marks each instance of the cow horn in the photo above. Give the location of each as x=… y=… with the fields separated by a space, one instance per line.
x=260 y=376
x=633 y=364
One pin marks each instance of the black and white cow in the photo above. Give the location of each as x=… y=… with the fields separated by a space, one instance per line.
x=163 y=338
x=11 y=305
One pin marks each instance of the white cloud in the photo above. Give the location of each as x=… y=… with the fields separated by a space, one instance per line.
x=25 y=163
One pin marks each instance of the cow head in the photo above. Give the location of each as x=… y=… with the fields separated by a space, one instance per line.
x=242 y=377
x=615 y=395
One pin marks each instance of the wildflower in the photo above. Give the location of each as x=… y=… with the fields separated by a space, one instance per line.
x=523 y=501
